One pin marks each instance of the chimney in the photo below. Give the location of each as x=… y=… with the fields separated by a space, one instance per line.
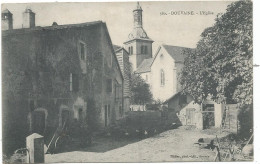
x=7 y=20
x=28 y=18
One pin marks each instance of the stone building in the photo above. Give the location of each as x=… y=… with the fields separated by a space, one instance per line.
x=184 y=111
x=55 y=75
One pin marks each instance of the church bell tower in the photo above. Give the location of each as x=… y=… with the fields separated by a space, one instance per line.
x=138 y=45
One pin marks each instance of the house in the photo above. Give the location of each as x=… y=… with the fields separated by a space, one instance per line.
x=55 y=75
x=184 y=111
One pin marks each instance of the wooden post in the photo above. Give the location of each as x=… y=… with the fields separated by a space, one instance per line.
x=35 y=146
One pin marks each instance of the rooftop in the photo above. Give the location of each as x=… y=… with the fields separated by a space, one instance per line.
x=175 y=52
x=145 y=66
x=49 y=28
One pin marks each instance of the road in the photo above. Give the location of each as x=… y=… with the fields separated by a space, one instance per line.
x=172 y=145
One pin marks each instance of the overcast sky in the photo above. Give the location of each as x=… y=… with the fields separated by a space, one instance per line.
x=178 y=30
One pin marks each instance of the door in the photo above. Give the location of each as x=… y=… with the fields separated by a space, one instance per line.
x=38 y=125
x=208 y=114
x=190 y=113
x=107 y=114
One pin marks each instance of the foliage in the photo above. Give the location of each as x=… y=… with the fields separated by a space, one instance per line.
x=140 y=90
x=221 y=64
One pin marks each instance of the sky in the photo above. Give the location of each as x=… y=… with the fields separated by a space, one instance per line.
x=178 y=30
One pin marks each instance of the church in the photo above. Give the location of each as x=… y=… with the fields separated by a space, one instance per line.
x=160 y=70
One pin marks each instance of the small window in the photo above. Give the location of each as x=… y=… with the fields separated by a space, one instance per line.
x=82 y=51
x=109 y=85
x=130 y=50
x=74 y=82
x=144 y=50
x=162 y=78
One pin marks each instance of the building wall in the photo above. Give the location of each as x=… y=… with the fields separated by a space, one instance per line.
x=218 y=111
x=111 y=71
x=197 y=119
x=42 y=63
x=165 y=63
x=179 y=111
x=123 y=60
x=137 y=57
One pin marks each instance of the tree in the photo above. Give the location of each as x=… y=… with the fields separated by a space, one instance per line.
x=221 y=65
x=140 y=91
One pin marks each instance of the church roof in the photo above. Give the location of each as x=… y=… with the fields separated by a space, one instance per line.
x=6 y=11
x=175 y=52
x=145 y=66
x=138 y=7
x=116 y=47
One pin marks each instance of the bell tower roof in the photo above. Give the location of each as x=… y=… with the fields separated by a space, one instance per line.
x=138 y=32
x=138 y=7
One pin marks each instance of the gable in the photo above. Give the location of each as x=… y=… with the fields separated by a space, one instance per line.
x=165 y=56
x=175 y=52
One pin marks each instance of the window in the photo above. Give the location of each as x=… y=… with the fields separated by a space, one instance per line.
x=162 y=78
x=74 y=82
x=130 y=50
x=82 y=51
x=121 y=112
x=109 y=85
x=107 y=114
x=144 y=50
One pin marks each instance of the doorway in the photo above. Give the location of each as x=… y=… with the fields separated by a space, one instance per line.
x=107 y=114
x=208 y=113
x=38 y=122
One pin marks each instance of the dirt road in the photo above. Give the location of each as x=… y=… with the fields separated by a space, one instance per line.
x=172 y=145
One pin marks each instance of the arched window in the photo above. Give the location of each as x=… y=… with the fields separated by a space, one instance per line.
x=162 y=78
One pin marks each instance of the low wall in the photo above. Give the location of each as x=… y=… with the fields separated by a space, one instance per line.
x=143 y=119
